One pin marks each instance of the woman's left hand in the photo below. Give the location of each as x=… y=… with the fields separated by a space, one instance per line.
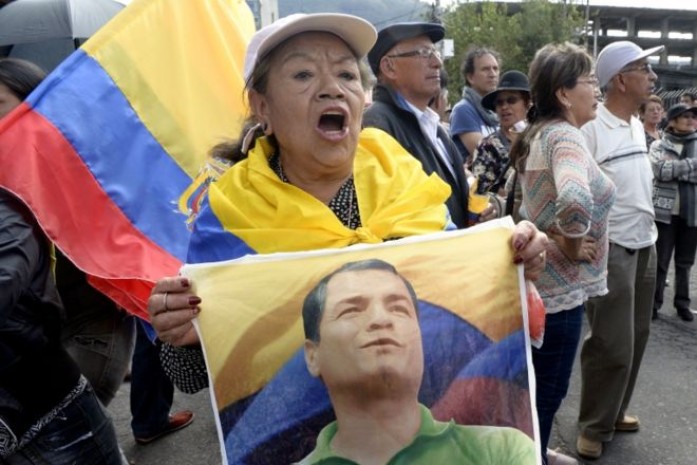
x=529 y=245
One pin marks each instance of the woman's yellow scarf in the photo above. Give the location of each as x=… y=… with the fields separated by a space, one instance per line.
x=395 y=199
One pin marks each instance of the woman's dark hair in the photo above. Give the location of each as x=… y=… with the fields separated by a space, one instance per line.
x=444 y=79
x=20 y=76
x=554 y=67
x=231 y=149
x=258 y=81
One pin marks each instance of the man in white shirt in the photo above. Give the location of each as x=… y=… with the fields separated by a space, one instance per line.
x=619 y=321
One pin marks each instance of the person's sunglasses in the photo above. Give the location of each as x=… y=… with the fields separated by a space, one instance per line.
x=510 y=100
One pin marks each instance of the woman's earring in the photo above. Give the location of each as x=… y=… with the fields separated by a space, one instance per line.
x=248 y=138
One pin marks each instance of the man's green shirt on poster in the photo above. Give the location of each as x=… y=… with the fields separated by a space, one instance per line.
x=443 y=443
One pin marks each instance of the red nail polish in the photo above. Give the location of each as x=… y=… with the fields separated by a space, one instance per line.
x=517 y=260
x=185 y=282
x=194 y=301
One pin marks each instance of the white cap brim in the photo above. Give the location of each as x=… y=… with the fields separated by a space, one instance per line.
x=649 y=52
x=358 y=34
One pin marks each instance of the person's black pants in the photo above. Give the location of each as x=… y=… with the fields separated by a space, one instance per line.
x=680 y=238
x=152 y=392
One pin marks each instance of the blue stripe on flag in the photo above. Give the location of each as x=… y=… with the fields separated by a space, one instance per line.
x=83 y=102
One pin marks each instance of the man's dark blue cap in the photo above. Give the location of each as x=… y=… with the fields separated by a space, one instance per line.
x=392 y=35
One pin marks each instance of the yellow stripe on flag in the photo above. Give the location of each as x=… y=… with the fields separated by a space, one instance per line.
x=179 y=64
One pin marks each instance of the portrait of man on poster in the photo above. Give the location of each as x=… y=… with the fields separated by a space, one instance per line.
x=363 y=340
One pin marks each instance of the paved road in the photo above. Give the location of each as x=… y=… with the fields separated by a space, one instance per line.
x=194 y=445
x=665 y=400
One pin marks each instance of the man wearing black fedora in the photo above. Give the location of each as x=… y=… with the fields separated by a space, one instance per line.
x=407 y=66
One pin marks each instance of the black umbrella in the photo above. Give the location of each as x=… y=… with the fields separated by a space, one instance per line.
x=47 y=31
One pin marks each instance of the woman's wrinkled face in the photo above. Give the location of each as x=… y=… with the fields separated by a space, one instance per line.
x=313 y=104
x=8 y=100
x=582 y=100
x=653 y=112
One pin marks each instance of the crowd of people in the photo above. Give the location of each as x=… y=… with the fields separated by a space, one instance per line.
x=580 y=151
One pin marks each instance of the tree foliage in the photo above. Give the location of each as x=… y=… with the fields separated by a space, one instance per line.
x=515 y=31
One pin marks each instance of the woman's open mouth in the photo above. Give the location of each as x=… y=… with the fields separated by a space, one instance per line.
x=332 y=124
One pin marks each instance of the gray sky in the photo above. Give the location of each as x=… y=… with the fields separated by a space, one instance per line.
x=663 y=4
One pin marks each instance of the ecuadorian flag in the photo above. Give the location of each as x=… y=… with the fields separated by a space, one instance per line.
x=106 y=150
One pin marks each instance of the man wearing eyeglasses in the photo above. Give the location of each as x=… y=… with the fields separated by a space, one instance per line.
x=619 y=321
x=407 y=66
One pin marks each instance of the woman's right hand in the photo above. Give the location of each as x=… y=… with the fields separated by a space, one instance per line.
x=172 y=307
x=582 y=249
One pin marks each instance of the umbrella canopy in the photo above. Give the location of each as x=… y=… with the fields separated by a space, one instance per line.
x=47 y=31
x=28 y=21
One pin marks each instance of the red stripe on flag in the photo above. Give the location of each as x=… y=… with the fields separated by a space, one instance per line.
x=42 y=168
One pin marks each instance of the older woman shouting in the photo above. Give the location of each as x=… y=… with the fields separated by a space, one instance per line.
x=306 y=176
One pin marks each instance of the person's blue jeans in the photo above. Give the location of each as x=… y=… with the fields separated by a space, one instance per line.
x=81 y=433
x=152 y=392
x=553 y=363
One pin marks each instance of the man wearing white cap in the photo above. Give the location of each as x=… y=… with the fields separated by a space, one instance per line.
x=619 y=321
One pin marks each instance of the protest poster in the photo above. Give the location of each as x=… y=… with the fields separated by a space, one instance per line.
x=477 y=367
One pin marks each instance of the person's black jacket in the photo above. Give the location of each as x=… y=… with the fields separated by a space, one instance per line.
x=400 y=123
x=36 y=373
